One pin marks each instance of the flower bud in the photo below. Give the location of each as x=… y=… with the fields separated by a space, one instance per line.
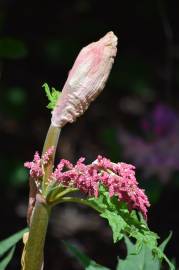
x=86 y=80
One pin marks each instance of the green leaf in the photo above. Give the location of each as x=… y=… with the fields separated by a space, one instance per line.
x=122 y=221
x=12 y=48
x=143 y=260
x=6 y=244
x=84 y=260
x=117 y=224
x=128 y=223
x=130 y=245
x=7 y=259
x=52 y=95
x=165 y=242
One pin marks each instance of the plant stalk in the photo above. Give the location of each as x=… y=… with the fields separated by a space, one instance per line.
x=33 y=251
x=78 y=200
x=50 y=141
x=32 y=257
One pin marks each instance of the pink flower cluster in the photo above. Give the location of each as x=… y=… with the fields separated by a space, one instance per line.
x=36 y=166
x=119 y=179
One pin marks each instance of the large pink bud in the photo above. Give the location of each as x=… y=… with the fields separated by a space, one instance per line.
x=86 y=80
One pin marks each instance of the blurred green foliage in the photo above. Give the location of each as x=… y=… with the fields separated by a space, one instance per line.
x=109 y=138
x=15 y=174
x=13 y=102
x=11 y=48
x=55 y=50
x=16 y=96
x=18 y=175
x=131 y=72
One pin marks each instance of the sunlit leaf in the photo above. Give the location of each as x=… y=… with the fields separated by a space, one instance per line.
x=128 y=223
x=144 y=259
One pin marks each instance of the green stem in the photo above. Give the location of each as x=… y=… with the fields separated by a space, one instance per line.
x=33 y=253
x=51 y=140
x=81 y=201
x=59 y=196
x=32 y=257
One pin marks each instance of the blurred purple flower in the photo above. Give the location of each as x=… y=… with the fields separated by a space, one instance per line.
x=158 y=152
x=161 y=121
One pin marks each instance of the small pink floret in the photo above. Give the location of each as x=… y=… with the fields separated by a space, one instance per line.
x=35 y=167
x=48 y=154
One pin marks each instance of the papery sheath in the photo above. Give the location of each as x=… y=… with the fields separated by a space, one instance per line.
x=86 y=80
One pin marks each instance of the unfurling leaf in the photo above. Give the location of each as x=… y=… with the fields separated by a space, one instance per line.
x=52 y=96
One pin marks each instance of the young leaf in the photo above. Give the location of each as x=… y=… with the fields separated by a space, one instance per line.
x=52 y=95
x=4 y=262
x=11 y=241
x=84 y=260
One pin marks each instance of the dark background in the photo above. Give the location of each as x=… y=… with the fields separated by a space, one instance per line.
x=38 y=43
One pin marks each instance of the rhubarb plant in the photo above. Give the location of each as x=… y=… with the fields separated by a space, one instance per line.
x=111 y=189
